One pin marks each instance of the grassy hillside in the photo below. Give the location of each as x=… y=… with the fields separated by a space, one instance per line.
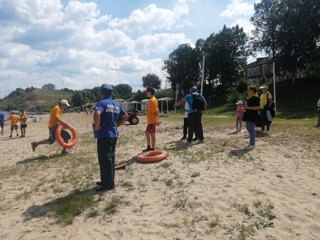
x=34 y=100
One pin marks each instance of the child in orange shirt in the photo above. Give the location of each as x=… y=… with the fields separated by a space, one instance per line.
x=239 y=115
x=153 y=120
x=14 y=119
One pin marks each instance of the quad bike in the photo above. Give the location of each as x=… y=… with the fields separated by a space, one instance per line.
x=133 y=117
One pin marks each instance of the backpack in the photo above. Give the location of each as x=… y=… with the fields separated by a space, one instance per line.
x=198 y=103
x=272 y=108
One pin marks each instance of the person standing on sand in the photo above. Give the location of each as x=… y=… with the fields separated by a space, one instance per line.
x=14 y=119
x=1 y=122
x=152 y=118
x=23 y=123
x=251 y=116
x=265 y=105
x=55 y=120
x=185 y=121
x=108 y=116
x=197 y=104
x=239 y=115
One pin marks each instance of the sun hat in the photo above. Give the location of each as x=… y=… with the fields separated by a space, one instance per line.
x=65 y=102
x=264 y=87
x=239 y=103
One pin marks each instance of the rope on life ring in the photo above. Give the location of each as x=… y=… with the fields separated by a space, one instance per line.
x=152 y=156
x=60 y=140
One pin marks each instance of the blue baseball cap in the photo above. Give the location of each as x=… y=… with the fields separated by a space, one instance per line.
x=106 y=88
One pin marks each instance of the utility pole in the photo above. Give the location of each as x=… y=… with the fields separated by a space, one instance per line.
x=177 y=93
x=274 y=84
x=202 y=73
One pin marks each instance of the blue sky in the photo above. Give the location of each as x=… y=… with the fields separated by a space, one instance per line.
x=82 y=44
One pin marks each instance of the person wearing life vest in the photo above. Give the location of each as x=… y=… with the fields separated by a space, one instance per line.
x=265 y=107
x=108 y=116
x=197 y=104
x=55 y=120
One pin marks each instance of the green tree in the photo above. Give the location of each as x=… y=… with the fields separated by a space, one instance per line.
x=123 y=91
x=151 y=80
x=226 y=56
x=289 y=30
x=182 y=68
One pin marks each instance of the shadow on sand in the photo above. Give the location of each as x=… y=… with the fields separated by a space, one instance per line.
x=238 y=152
x=37 y=211
x=40 y=158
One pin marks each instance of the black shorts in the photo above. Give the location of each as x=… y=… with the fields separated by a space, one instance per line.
x=52 y=135
x=1 y=124
x=23 y=126
x=14 y=128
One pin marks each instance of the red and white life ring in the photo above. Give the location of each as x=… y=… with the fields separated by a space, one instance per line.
x=152 y=156
x=60 y=140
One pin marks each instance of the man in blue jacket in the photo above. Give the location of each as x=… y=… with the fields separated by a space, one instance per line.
x=108 y=116
x=197 y=104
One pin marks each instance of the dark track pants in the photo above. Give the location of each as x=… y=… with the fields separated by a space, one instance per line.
x=195 y=126
x=106 y=154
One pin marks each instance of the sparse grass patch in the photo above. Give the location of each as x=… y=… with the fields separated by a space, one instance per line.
x=214 y=222
x=67 y=208
x=243 y=208
x=169 y=182
x=195 y=174
x=112 y=206
x=245 y=232
x=166 y=165
x=128 y=185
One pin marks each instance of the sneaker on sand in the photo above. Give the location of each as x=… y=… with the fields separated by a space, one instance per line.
x=64 y=152
x=34 y=146
x=249 y=147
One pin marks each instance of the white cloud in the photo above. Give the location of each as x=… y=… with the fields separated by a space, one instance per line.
x=152 y=18
x=76 y=46
x=239 y=12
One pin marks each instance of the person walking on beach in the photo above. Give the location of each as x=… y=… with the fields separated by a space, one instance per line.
x=251 y=116
x=108 y=116
x=239 y=115
x=1 y=122
x=265 y=107
x=318 y=109
x=14 y=119
x=185 y=121
x=55 y=120
x=197 y=104
x=152 y=119
x=23 y=123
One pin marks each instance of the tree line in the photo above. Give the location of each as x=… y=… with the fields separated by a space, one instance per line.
x=287 y=30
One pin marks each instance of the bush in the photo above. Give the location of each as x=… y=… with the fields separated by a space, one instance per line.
x=234 y=96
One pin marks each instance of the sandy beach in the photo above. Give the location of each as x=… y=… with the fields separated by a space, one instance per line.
x=210 y=191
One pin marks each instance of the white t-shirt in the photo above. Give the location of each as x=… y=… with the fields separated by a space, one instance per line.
x=186 y=110
x=318 y=104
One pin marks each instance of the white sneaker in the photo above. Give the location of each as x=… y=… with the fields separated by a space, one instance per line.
x=249 y=147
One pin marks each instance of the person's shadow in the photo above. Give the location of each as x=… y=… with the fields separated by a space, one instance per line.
x=238 y=152
x=40 y=158
x=37 y=211
x=178 y=145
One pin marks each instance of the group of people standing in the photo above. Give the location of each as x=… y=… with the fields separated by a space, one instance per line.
x=14 y=119
x=258 y=111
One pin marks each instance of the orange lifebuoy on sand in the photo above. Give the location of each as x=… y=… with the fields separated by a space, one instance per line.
x=60 y=140
x=152 y=156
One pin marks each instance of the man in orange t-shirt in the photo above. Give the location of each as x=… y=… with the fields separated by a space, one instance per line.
x=14 y=119
x=153 y=120
x=55 y=120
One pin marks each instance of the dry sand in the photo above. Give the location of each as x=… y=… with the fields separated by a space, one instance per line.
x=203 y=191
